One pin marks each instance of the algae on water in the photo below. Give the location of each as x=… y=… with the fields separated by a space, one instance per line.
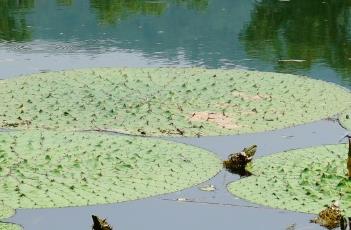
x=299 y=180
x=167 y=101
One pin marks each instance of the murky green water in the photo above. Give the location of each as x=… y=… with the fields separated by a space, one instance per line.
x=297 y=36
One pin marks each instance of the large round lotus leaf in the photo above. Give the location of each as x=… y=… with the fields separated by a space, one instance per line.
x=167 y=101
x=345 y=119
x=6 y=211
x=299 y=180
x=48 y=169
x=6 y=226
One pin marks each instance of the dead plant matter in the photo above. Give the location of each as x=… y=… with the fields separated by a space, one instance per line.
x=330 y=217
x=237 y=162
x=100 y=224
x=349 y=158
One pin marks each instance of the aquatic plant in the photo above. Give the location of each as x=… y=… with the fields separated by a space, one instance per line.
x=100 y=224
x=330 y=217
x=345 y=119
x=9 y=226
x=48 y=169
x=167 y=101
x=237 y=162
x=302 y=180
x=5 y=212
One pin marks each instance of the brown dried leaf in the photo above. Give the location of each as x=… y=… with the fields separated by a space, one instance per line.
x=216 y=118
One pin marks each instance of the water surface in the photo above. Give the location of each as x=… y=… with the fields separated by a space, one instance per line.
x=305 y=37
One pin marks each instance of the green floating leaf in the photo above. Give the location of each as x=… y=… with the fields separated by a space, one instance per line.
x=6 y=211
x=345 y=119
x=311 y=179
x=8 y=226
x=59 y=169
x=167 y=101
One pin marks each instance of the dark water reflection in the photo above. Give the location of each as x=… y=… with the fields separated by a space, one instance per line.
x=13 y=25
x=314 y=31
x=209 y=33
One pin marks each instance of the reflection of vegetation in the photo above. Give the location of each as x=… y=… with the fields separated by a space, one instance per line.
x=13 y=25
x=193 y=4
x=111 y=11
x=310 y=30
x=64 y=2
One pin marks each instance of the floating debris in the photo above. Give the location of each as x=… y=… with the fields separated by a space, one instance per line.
x=216 y=118
x=329 y=217
x=100 y=224
x=237 y=162
x=290 y=60
x=209 y=188
x=182 y=199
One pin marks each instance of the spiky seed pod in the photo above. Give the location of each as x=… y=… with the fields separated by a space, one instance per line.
x=237 y=162
x=329 y=217
x=100 y=224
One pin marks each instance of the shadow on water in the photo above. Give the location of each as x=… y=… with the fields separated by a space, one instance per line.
x=312 y=31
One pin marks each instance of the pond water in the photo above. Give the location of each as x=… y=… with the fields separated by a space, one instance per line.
x=310 y=38
x=305 y=37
